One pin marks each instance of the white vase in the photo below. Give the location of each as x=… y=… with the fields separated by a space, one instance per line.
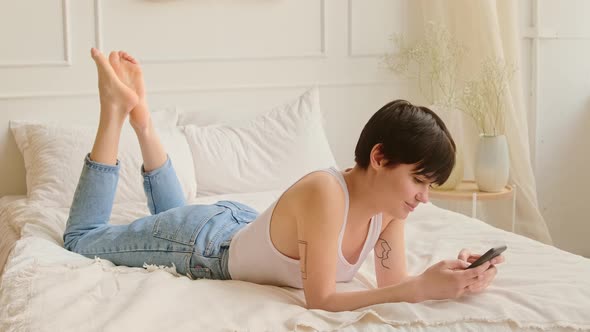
x=492 y=163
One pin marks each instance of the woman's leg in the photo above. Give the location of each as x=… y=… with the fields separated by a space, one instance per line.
x=93 y=199
x=165 y=239
x=129 y=72
x=116 y=101
x=160 y=183
x=162 y=188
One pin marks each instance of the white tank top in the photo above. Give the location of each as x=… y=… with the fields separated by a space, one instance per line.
x=253 y=257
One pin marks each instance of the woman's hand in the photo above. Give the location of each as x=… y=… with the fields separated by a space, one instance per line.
x=489 y=275
x=449 y=279
x=466 y=255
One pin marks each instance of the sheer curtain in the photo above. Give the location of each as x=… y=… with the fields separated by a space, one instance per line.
x=490 y=28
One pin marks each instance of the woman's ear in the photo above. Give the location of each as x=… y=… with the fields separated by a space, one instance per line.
x=377 y=157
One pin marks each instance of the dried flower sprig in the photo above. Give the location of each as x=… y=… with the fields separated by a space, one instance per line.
x=436 y=60
x=482 y=99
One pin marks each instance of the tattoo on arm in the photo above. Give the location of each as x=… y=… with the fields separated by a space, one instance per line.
x=303 y=258
x=385 y=253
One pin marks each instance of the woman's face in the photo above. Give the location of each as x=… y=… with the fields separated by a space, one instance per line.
x=398 y=190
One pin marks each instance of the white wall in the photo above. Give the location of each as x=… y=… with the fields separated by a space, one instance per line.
x=248 y=55
x=198 y=55
x=556 y=70
x=562 y=54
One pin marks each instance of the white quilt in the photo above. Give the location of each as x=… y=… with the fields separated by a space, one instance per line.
x=46 y=288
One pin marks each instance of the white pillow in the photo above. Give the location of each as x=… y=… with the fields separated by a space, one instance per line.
x=269 y=152
x=54 y=155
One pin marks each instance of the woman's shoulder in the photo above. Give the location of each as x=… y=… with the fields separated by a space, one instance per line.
x=319 y=181
x=319 y=191
x=317 y=187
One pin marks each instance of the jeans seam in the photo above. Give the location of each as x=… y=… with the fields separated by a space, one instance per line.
x=100 y=166
x=103 y=169
x=132 y=250
x=167 y=164
x=149 y=179
x=217 y=236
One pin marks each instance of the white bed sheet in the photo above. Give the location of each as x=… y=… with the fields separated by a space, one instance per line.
x=46 y=288
x=8 y=234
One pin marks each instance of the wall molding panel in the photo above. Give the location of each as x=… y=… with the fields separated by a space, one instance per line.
x=66 y=62
x=322 y=53
x=350 y=28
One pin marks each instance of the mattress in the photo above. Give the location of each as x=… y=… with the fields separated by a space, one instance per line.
x=47 y=288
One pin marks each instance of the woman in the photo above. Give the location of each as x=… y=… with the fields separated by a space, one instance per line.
x=316 y=234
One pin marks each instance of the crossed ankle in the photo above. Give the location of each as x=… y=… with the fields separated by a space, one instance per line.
x=143 y=129
x=140 y=118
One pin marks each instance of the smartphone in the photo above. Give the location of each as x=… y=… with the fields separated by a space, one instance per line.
x=494 y=252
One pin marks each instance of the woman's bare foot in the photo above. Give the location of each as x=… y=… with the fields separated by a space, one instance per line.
x=129 y=72
x=114 y=95
x=116 y=101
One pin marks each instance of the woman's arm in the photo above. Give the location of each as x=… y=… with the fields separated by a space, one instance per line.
x=319 y=224
x=319 y=220
x=390 y=254
x=403 y=292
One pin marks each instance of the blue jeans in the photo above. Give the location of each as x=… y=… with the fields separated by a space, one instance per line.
x=195 y=238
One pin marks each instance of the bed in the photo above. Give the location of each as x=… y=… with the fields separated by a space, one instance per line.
x=47 y=288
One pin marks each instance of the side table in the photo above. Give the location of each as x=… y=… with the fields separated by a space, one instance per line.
x=468 y=190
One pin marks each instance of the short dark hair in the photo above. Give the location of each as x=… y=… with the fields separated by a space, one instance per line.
x=409 y=134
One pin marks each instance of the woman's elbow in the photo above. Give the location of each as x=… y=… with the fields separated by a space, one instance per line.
x=321 y=303
x=314 y=304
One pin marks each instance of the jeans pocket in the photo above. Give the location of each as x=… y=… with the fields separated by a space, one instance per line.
x=242 y=213
x=200 y=272
x=183 y=224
